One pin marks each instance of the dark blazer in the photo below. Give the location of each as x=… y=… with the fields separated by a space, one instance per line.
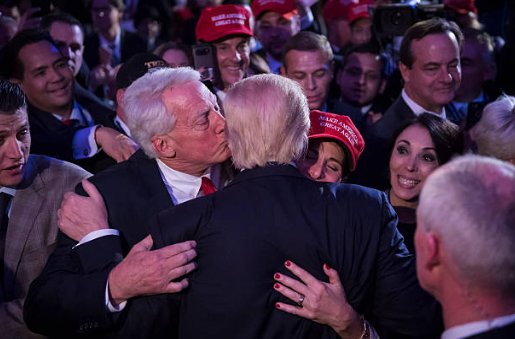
x=372 y=167
x=505 y=332
x=394 y=118
x=69 y=296
x=246 y=231
x=31 y=235
x=130 y=44
x=353 y=112
x=53 y=138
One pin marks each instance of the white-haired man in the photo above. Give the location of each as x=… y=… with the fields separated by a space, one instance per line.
x=177 y=122
x=464 y=240
x=494 y=134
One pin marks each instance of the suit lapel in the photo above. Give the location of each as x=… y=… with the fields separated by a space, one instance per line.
x=153 y=183
x=25 y=209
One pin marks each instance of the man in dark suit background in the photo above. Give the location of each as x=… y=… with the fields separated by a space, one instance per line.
x=89 y=288
x=60 y=126
x=271 y=213
x=430 y=67
x=31 y=189
x=464 y=243
x=109 y=45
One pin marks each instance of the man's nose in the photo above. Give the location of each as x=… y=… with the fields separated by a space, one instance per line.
x=14 y=148
x=315 y=171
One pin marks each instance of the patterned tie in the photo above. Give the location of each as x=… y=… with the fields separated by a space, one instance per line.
x=207 y=187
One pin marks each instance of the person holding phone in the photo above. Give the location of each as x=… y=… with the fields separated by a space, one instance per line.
x=225 y=33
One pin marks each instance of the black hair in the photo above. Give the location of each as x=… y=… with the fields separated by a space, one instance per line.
x=12 y=96
x=11 y=65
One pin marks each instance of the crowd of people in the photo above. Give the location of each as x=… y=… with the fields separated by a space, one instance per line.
x=262 y=169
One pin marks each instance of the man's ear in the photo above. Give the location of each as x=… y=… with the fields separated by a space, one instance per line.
x=119 y=96
x=283 y=71
x=382 y=86
x=432 y=251
x=164 y=146
x=489 y=71
x=405 y=72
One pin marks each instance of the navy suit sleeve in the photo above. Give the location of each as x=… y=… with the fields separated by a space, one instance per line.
x=64 y=299
x=400 y=304
x=69 y=295
x=180 y=223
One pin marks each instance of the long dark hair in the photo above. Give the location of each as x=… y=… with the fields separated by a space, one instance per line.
x=447 y=137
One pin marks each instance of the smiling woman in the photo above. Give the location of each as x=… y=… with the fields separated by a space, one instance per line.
x=420 y=147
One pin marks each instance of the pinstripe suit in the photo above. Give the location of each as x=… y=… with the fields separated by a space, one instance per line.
x=31 y=234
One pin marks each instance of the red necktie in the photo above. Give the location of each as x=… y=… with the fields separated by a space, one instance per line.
x=207 y=187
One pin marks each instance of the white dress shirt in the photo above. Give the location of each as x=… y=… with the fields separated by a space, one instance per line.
x=476 y=327
x=417 y=109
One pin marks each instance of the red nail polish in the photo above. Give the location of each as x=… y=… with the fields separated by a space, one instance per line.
x=277 y=286
x=327 y=267
x=277 y=305
x=277 y=276
x=287 y=263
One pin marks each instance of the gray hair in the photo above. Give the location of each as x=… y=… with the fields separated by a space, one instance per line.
x=147 y=115
x=494 y=134
x=470 y=203
x=267 y=120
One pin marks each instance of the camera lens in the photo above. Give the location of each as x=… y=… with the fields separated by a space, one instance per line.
x=396 y=18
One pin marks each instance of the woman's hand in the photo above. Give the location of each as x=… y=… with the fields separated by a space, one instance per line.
x=324 y=303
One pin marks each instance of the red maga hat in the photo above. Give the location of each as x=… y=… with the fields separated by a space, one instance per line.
x=218 y=22
x=348 y=10
x=286 y=8
x=461 y=6
x=340 y=128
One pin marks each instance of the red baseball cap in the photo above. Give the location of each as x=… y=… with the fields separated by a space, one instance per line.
x=218 y=22
x=340 y=128
x=348 y=10
x=286 y=8
x=461 y=6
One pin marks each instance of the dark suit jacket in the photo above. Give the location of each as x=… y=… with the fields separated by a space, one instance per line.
x=246 y=231
x=31 y=235
x=505 y=332
x=130 y=44
x=68 y=298
x=53 y=138
x=394 y=118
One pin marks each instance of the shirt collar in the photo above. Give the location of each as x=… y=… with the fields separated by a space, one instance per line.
x=417 y=109
x=470 y=329
x=123 y=126
x=181 y=186
x=8 y=190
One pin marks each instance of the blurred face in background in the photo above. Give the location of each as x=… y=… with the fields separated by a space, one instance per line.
x=104 y=15
x=312 y=71
x=273 y=30
x=176 y=58
x=70 y=40
x=361 y=79
x=361 y=31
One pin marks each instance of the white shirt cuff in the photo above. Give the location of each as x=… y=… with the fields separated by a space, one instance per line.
x=97 y=234
x=84 y=144
x=112 y=308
